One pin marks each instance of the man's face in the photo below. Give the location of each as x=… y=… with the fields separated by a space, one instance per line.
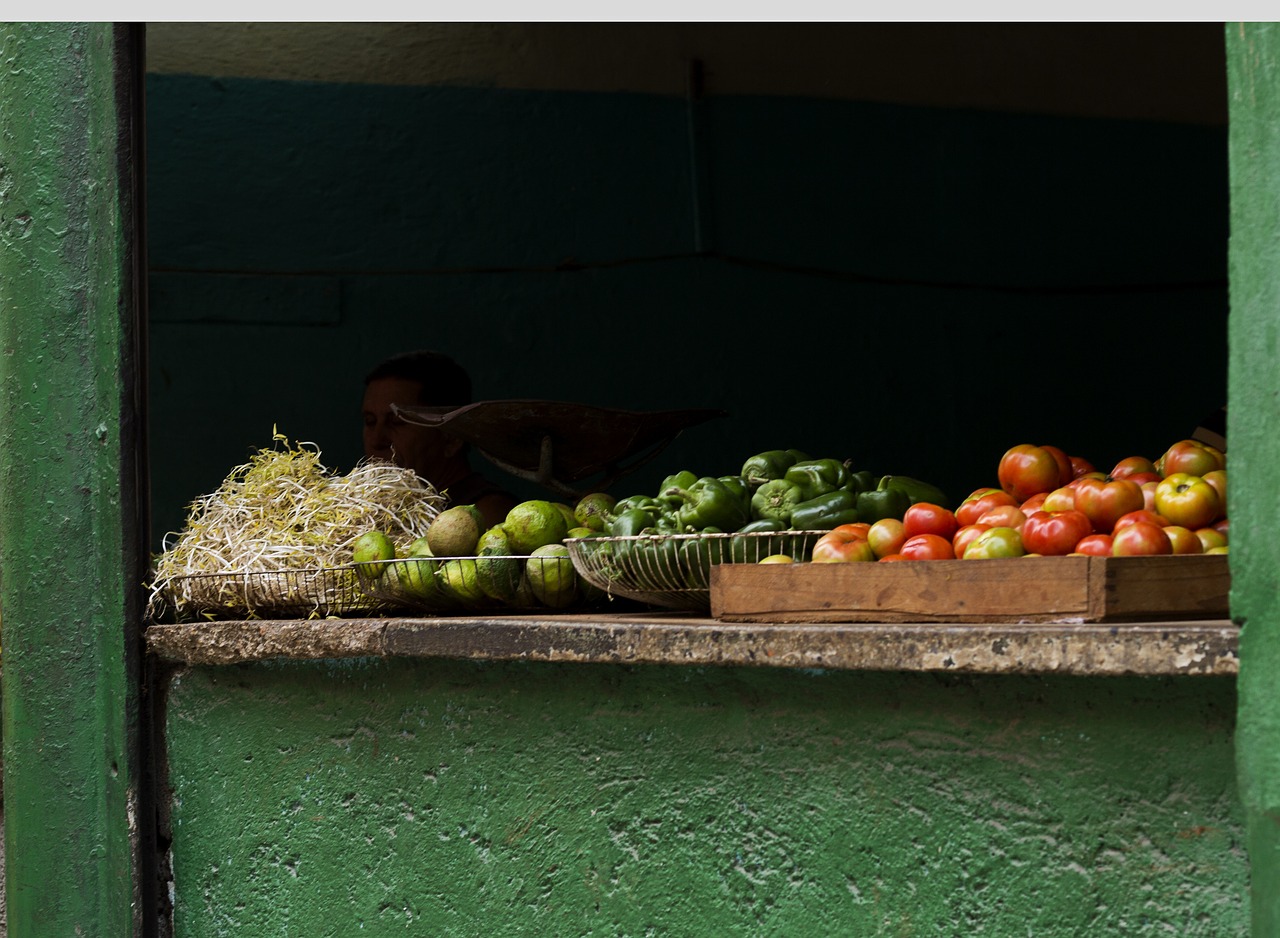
x=427 y=451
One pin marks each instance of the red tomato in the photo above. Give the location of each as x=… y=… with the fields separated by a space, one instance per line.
x=927 y=547
x=1222 y=527
x=1104 y=502
x=1004 y=516
x=1131 y=464
x=1142 y=514
x=1060 y=499
x=844 y=544
x=995 y=542
x=1149 y=495
x=1141 y=537
x=1192 y=457
x=1142 y=478
x=1183 y=540
x=1027 y=470
x=891 y=558
x=1065 y=471
x=927 y=518
x=981 y=501
x=1081 y=467
x=1188 y=500
x=886 y=537
x=1208 y=537
x=1033 y=503
x=1094 y=545
x=1218 y=479
x=1055 y=533
x=964 y=537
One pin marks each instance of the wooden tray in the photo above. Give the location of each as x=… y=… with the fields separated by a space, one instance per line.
x=1022 y=589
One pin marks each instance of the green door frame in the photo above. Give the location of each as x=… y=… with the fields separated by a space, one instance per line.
x=73 y=489
x=1253 y=500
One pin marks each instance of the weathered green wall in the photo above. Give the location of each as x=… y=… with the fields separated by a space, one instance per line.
x=72 y=482
x=1254 y=500
x=451 y=798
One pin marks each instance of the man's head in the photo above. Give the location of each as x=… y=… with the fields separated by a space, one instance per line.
x=427 y=379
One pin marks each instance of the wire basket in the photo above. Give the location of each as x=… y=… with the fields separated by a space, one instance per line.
x=469 y=585
x=280 y=594
x=674 y=570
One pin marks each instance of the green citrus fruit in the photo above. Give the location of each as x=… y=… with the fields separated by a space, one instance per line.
x=592 y=510
x=458 y=578
x=373 y=546
x=415 y=577
x=567 y=511
x=419 y=548
x=455 y=531
x=497 y=572
x=551 y=576
x=533 y=524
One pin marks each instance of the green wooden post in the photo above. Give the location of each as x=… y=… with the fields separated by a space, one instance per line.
x=1253 y=57
x=72 y=479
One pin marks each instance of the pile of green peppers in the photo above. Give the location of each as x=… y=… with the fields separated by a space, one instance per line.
x=776 y=491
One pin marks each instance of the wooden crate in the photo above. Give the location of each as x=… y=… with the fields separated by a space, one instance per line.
x=1023 y=589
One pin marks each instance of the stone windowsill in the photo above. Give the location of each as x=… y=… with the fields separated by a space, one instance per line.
x=1142 y=648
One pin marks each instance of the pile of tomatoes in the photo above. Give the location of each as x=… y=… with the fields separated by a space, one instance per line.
x=1047 y=503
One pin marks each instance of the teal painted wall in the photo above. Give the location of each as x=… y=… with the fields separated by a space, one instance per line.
x=453 y=798
x=915 y=288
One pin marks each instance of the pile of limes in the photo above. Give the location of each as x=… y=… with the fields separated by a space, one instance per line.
x=520 y=562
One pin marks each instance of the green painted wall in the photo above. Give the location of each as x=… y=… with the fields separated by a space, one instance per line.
x=854 y=279
x=1255 y=499
x=72 y=483
x=451 y=798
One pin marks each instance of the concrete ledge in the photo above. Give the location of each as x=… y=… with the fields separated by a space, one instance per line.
x=1151 y=648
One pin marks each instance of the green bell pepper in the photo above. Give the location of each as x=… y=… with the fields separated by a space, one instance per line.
x=864 y=480
x=767 y=466
x=775 y=500
x=816 y=477
x=632 y=522
x=882 y=502
x=747 y=546
x=643 y=502
x=916 y=490
x=697 y=555
x=738 y=486
x=679 y=480
x=826 y=511
x=708 y=502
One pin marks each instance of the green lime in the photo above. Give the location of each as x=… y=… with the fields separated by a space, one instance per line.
x=419 y=548
x=415 y=577
x=373 y=546
x=551 y=576
x=458 y=578
x=497 y=572
x=567 y=511
x=593 y=510
x=455 y=531
x=533 y=524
